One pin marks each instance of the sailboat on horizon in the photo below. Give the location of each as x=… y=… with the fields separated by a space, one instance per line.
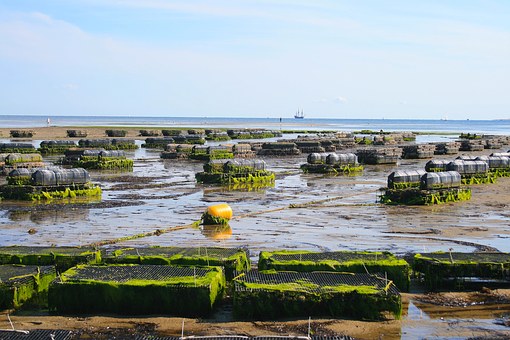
x=299 y=115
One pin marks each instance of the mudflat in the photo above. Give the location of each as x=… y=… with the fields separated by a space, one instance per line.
x=302 y=211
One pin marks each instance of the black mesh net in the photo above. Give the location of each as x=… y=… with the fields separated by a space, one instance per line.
x=315 y=282
x=15 y=274
x=139 y=272
x=22 y=250
x=36 y=334
x=339 y=256
x=213 y=252
x=472 y=257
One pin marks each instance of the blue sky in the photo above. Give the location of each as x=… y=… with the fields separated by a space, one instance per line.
x=333 y=59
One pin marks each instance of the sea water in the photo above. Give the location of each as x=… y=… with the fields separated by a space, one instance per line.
x=497 y=127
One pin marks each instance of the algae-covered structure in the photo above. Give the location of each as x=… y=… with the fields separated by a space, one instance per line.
x=48 y=184
x=62 y=258
x=98 y=159
x=12 y=161
x=279 y=149
x=332 y=163
x=17 y=148
x=19 y=283
x=418 y=188
x=418 y=151
x=442 y=269
x=384 y=264
x=386 y=155
x=472 y=171
x=137 y=289
x=499 y=166
x=236 y=171
x=270 y=295
x=109 y=144
x=76 y=133
x=21 y=133
x=50 y=147
x=208 y=153
x=252 y=133
x=231 y=259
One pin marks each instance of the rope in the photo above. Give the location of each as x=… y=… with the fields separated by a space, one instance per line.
x=195 y=224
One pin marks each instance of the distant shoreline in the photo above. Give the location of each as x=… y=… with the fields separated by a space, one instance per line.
x=133 y=132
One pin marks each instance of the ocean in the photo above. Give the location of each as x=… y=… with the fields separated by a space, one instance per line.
x=497 y=127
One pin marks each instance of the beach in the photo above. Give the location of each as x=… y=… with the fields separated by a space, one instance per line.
x=160 y=194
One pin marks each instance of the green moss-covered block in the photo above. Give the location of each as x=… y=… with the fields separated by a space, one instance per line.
x=414 y=196
x=332 y=169
x=274 y=295
x=232 y=259
x=138 y=289
x=44 y=193
x=61 y=257
x=397 y=270
x=104 y=163
x=442 y=268
x=260 y=177
x=20 y=284
x=212 y=156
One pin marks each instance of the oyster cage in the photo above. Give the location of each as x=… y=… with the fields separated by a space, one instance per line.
x=138 y=289
x=443 y=269
x=62 y=257
x=397 y=270
x=36 y=334
x=233 y=259
x=19 y=284
x=273 y=295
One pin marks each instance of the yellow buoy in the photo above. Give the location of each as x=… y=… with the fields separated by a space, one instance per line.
x=217 y=214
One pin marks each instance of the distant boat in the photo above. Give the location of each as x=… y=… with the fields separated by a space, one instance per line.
x=299 y=115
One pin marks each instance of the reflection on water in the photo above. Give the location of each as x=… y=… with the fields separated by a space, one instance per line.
x=424 y=321
x=217 y=232
x=43 y=217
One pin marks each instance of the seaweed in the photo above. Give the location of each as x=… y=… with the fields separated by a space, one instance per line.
x=437 y=268
x=137 y=289
x=332 y=169
x=62 y=258
x=42 y=193
x=21 y=284
x=396 y=269
x=231 y=259
x=270 y=295
x=104 y=163
x=413 y=196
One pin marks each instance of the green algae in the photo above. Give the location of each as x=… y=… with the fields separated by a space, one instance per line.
x=397 y=270
x=189 y=296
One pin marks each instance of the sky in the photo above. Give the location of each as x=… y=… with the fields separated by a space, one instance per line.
x=417 y=59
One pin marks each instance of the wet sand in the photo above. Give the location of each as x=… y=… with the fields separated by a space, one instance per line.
x=160 y=194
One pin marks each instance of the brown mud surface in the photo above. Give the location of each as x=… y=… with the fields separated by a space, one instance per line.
x=301 y=211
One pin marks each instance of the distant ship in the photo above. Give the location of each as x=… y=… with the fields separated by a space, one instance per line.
x=299 y=115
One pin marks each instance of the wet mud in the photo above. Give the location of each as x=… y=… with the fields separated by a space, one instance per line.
x=301 y=211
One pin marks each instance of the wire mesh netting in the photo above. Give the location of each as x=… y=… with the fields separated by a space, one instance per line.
x=340 y=256
x=15 y=274
x=36 y=334
x=213 y=252
x=22 y=250
x=472 y=257
x=315 y=282
x=140 y=272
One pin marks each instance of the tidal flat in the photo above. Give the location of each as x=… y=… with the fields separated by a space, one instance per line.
x=301 y=211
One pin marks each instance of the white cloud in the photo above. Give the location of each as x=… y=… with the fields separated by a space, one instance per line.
x=341 y=99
